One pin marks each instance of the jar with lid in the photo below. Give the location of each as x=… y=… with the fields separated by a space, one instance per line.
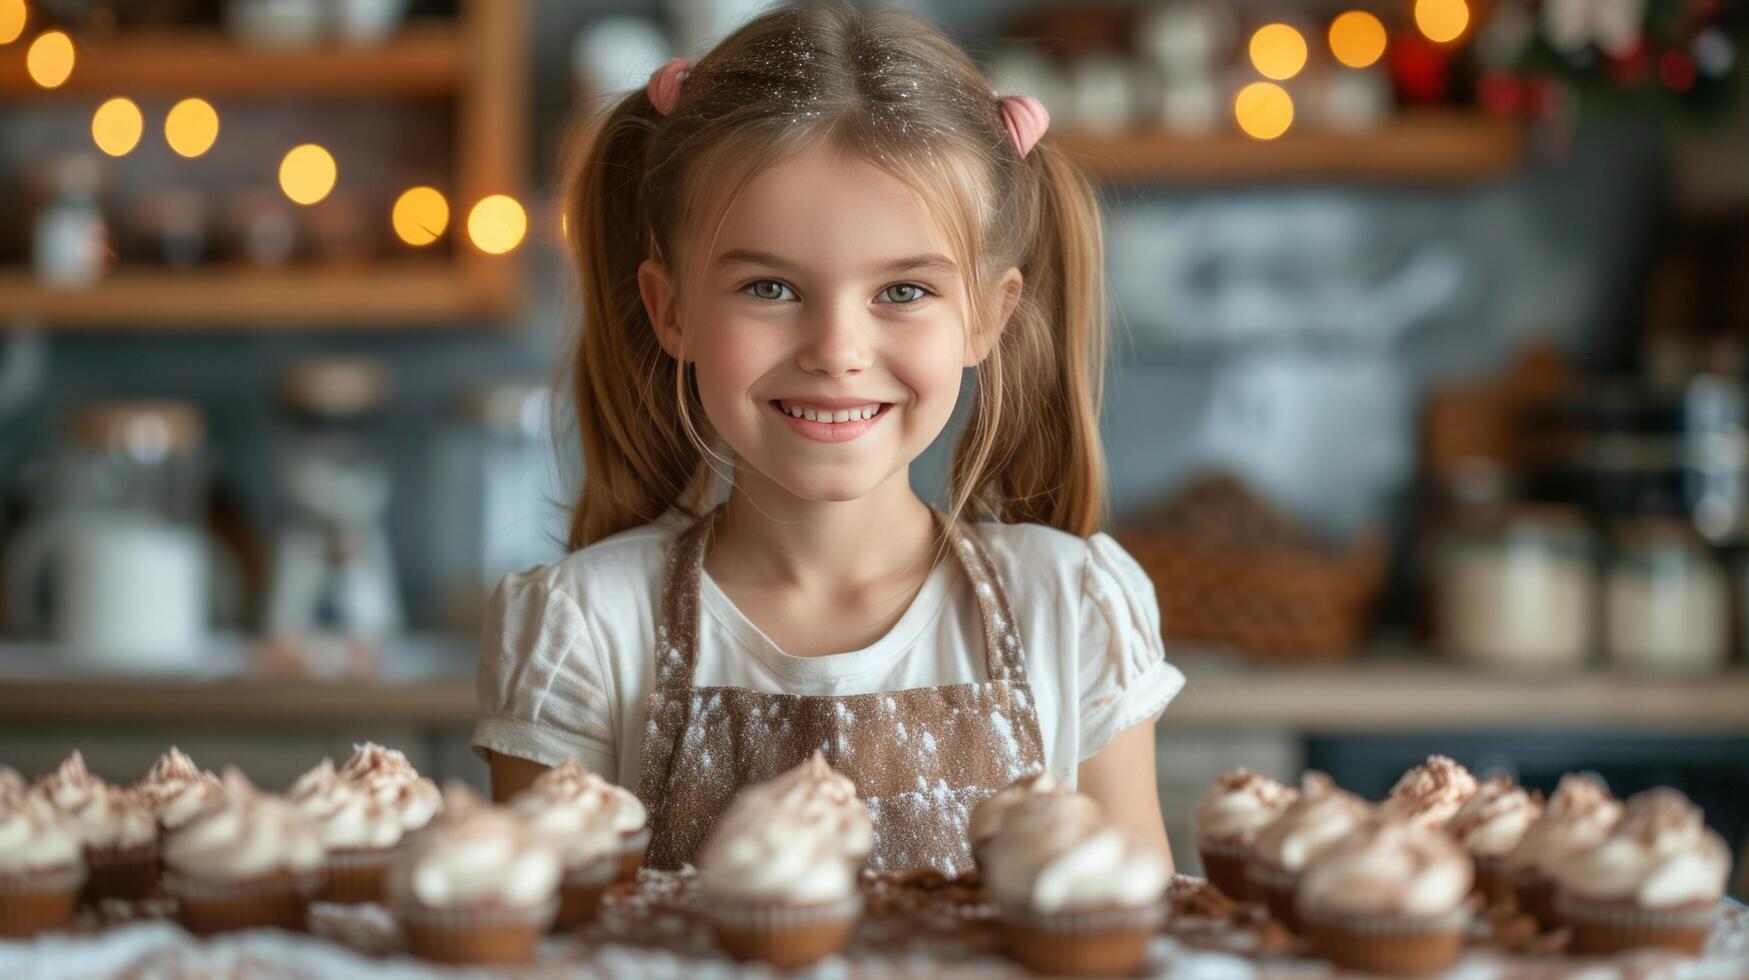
x=1515 y=588
x=1666 y=599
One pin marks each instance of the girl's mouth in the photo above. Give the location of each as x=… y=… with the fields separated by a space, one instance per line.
x=830 y=431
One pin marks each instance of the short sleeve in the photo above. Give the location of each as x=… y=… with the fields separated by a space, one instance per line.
x=543 y=693
x=1125 y=679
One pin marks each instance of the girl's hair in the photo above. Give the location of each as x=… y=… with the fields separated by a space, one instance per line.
x=888 y=86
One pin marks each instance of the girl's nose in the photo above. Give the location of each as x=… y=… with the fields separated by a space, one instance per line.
x=837 y=341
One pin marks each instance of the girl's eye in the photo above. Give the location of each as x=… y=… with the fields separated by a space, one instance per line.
x=904 y=293
x=768 y=289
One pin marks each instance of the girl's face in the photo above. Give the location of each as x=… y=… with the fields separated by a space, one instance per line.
x=830 y=291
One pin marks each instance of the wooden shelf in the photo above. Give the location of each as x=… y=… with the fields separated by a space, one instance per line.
x=422 y=59
x=412 y=294
x=1415 y=147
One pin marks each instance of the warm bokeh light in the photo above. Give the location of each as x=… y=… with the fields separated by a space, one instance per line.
x=12 y=18
x=116 y=126
x=497 y=224
x=420 y=216
x=1357 y=39
x=1264 y=110
x=1278 y=51
x=191 y=127
x=1442 y=20
x=307 y=173
x=50 y=59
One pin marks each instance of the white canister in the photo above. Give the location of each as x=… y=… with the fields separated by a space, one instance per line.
x=1515 y=588
x=1667 y=600
x=133 y=593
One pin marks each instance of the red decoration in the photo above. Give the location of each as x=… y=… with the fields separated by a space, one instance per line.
x=1676 y=71
x=1500 y=92
x=1631 y=67
x=1420 y=69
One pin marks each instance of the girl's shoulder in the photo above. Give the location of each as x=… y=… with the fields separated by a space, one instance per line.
x=617 y=572
x=1042 y=562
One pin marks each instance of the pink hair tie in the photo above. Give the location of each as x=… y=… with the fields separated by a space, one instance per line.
x=1026 y=120
x=664 y=87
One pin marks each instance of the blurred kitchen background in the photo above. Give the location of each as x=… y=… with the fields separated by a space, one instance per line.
x=1427 y=407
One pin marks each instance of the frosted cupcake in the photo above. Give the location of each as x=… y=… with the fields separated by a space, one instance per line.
x=1655 y=881
x=11 y=781
x=779 y=872
x=175 y=789
x=476 y=885
x=358 y=834
x=1578 y=816
x=1489 y=826
x=1228 y=818
x=393 y=782
x=42 y=864
x=580 y=819
x=117 y=829
x=625 y=812
x=1075 y=894
x=1391 y=897
x=1322 y=815
x=989 y=814
x=247 y=859
x=1430 y=793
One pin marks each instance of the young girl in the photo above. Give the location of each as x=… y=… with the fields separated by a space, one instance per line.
x=789 y=254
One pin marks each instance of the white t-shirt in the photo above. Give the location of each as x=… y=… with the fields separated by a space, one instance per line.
x=568 y=647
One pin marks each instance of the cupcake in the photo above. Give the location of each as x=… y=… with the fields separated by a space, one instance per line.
x=1392 y=897
x=358 y=833
x=625 y=811
x=476 y=885
x=42 y=864
x=1430 y=793
x=988 y=815
x=246 y=859
x=1075 y=894
x=175 y=789
x=1655 y=881
x=572 y=810
x=1577 y=817
x=1321 y=816
x=117 y=829
x=1228 y=818
x=11 y=781
x=392 y=781
x=1489 y=825
x=779 y=872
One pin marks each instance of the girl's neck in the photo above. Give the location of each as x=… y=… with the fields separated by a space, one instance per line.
x=776 y=541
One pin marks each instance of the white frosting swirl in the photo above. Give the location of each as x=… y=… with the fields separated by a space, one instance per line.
x=1576 y=818
x=988 y=815
x=10 y=780
x=813 y=791
x=389 y=778
x=1659 y=855
x=106 y=817
x=472 y=855
x=243 y=833
x=571 y=782
x=34 y=836
x=346 y=817
x=765 y=851
x=1430 y=793
x=574 y=813
x=1388 y=867
x=1239 y=805
x=175 y=788
x=1493 y=820
x=1058 y=853
x=1322 y=815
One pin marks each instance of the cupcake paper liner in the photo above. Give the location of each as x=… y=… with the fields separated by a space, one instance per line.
x=126 y=873
x=580 y=891
x=1275 y=889
x=1395 y=945
x=1494 y=881
x=1081 y=942
x=1535 y=895
x=1611 y=926
x=38 y=901
x=354 y=876
x=208 y=905
x=1224 y=863
x=782 y=934
x=631 y=854
x=485 y=934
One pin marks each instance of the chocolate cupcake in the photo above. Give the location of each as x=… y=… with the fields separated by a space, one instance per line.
x=117 y=829
x=1577 y=817
x=1228 y=818
x=579 y=819
x=358 y=833
x=392 y=781
x=1654 y=882
x=1392 y=897
x=1322 y=815
x=1429 y=794
x=1075 y=894
x=989 y=814
x=1489 y=826
x=42 y=864
x=476 y=885
x=246 y=860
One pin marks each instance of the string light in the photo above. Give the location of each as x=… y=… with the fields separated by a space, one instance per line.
x=307 y=173
x=420 y=216
x=1357 y=39
x=1264 y=110
x=191 y=127
x=116 y=126
x=1441 y=21
x=497 y=224
x=1278 y=51
x=50 y=59
x=12 y=18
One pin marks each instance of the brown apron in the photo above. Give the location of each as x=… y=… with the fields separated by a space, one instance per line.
x=921 y=758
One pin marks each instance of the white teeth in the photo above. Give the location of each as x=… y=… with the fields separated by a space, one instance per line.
x=840 y=415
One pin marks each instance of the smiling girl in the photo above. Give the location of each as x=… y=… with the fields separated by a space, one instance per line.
x=791 y=254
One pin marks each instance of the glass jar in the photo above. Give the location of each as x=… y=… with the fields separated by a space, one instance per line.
x=1666 y=598
x=1515 y=588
